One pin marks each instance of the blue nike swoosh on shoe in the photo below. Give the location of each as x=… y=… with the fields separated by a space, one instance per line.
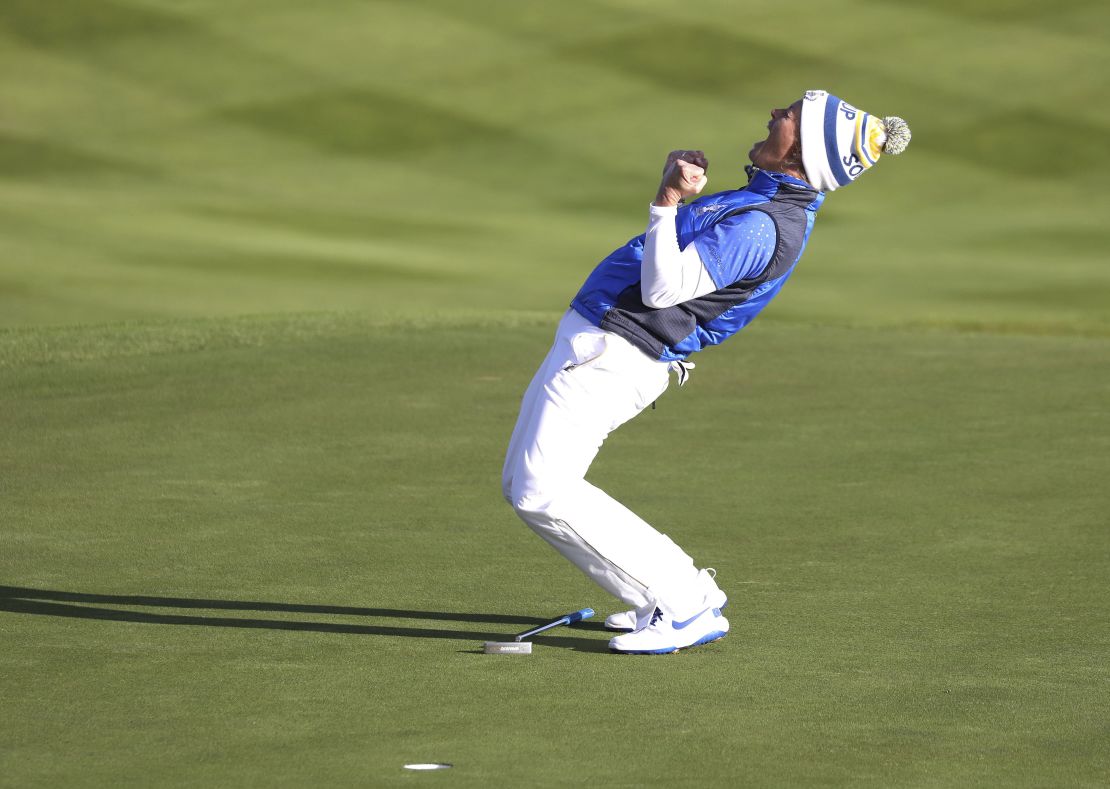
x=681 y=625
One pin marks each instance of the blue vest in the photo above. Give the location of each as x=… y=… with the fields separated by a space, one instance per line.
x=610 y=297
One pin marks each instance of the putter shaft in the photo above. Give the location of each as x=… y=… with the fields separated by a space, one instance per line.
x=570 y=618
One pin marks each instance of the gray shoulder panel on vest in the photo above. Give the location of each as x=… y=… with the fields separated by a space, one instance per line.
x=653 y=330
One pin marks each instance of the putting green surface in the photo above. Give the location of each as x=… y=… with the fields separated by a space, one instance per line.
x=271 y=557
x=273 y=276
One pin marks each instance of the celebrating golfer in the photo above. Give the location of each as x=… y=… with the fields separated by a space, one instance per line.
x=700 y=273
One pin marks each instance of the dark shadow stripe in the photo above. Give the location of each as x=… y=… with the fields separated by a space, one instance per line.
x=370 y=123
x=34 y=607
x=24 y=157
x=72 y=24
x=27 y=594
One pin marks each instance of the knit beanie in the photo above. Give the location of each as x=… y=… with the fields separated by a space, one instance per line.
x=840 y=142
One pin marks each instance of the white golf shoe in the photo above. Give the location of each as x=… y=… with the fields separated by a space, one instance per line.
x=664 y=634
x=628 y=621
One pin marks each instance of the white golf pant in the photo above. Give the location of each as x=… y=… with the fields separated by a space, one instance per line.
x=592 y=382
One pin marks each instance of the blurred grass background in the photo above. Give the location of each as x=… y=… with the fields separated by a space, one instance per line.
x=200 y=158
x=273 y=276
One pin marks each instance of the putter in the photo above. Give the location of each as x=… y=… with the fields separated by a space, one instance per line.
x=518 y=646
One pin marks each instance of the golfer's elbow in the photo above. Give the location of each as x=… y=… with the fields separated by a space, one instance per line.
x=658 y=299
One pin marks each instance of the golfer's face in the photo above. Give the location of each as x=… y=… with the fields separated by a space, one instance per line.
x=782 y=132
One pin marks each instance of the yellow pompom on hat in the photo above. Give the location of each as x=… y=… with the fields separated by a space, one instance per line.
x=840 y=142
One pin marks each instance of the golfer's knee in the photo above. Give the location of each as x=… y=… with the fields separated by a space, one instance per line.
x=529 y=505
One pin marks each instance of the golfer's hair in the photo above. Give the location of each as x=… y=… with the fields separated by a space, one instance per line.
x=793 y=156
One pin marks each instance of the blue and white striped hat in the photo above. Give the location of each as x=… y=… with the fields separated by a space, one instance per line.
x=840 y=142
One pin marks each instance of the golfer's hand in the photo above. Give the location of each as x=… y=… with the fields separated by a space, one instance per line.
x=683 y=176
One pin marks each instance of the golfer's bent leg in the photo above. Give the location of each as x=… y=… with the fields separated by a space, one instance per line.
x=528 y=405
x=616 y=548
x=567 y=347
x=605 y=573
x=580 y=402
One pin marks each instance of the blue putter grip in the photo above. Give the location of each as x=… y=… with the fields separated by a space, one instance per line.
x=578 y=616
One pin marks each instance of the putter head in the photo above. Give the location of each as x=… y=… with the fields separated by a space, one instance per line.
x=508 y=648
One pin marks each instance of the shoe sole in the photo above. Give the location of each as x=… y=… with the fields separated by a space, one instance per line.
x=630 y=629
x=706 y=639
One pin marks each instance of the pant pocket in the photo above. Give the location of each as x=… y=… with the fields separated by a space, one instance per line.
x=586 y=349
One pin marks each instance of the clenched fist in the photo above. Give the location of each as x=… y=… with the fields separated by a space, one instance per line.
x=683 y=176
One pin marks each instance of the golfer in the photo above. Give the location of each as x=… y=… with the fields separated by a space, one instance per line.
x=701 y=272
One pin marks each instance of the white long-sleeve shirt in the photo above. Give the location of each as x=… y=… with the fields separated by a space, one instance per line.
x=669 y=275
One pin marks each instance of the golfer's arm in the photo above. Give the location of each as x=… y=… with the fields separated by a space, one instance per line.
x=670 y=275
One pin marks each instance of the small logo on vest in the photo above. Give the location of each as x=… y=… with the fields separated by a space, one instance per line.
x=709 y=209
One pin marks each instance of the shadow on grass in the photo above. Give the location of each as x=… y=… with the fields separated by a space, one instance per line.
x=81 y=605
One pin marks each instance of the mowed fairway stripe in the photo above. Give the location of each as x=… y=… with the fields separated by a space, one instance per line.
x=163 y=155
x=910 y=526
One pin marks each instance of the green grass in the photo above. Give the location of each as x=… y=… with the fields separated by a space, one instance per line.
x=910 y=526
x=273 y=276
